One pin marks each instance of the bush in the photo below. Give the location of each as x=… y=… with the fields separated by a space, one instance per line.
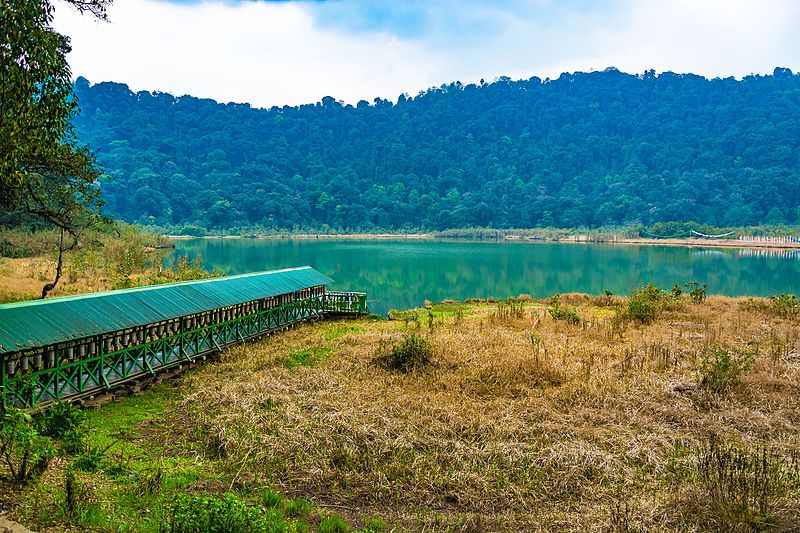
x=697 y=292
x=24 y=451
x=722 y=369
x=785 y=305
x=558 y=312
x=413 y=353
x=61 y=419
x=644 y=304
x=676 y=291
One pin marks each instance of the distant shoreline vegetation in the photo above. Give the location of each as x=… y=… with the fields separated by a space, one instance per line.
x=660 y=231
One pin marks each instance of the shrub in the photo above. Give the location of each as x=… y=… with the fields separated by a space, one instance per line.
x=644 y=304
x=412 y=353
x=722 y=369
x=785 y=305
x=559 y=312
x=24 y=451
x=333 y=524
x=676 y=291
x=61 y=419
x=697 y=292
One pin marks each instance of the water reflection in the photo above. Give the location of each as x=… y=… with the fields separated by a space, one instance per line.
x=401 y=274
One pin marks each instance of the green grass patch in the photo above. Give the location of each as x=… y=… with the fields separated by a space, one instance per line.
x=309 y=357
x=436 y=311
x=339 y=330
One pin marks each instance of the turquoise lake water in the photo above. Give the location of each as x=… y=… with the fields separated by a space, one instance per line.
x=403 y=273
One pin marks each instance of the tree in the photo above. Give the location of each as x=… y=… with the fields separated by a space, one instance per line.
x=43 y=169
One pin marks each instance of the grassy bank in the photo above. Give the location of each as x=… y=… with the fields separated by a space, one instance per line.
x=111 y=257
x=660 y=412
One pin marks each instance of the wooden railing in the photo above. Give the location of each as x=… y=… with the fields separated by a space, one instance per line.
x=61 y=373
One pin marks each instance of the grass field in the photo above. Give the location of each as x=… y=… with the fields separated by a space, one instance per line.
x=585 y=413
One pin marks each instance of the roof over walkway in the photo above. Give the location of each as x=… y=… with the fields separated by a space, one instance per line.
x=37 y=323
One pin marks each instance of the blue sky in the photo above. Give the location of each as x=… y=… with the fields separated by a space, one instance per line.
x=278 y=53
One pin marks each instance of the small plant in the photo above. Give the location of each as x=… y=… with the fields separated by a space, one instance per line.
x=644 y=304
x=697 y=292
x=61 y=419
x=412 y=353
x=90 y=461
x=677 y=292
x=227 y=514
x=73 y=442
x=559 y=312
x=299 y=507
x=785 y=305
x=24 y=451
x=744 y=485
x=271 y=499
x=333 y=524
x=373 y=525
x=722 y=369
x=66 y=423
x=77 y=505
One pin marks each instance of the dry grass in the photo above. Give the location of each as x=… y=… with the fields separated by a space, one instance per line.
x=106 y=260
x=521 y=421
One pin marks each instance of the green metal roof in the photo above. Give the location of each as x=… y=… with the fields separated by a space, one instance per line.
x=42 y=322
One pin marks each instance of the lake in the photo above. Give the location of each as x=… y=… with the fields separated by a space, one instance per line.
x=400 y=274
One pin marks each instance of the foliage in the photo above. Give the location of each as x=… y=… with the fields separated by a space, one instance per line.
x=90 y=461
x=23 y=450
x=43 y=169
x=412 y=353
x=65 y=422
x=565 y=152
x=61 y=419
x=202 y=514
x=785 y=305
x=644 y=303
x=373 y=525
x=559 y=312
x=697 y=292
x=722 y=369
x=743 y=485
x=677 y=292
x=298 y=507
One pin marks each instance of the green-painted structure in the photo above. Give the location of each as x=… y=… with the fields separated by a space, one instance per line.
x=77 y=346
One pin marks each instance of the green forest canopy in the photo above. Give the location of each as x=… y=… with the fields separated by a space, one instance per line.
x=586 y=149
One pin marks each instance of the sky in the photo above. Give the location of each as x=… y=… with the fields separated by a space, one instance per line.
x=270 y=53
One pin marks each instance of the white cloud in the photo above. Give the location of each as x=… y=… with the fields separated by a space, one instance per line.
x=262 y=53
x=286 y=53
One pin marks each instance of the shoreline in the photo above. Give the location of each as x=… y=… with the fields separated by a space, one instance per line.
x=577 y=239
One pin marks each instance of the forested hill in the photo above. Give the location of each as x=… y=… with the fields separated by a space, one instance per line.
x=586 y=149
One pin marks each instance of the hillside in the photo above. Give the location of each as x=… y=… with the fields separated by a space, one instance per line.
x=586 y=149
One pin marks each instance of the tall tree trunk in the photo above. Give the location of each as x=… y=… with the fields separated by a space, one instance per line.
x=50 y=286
